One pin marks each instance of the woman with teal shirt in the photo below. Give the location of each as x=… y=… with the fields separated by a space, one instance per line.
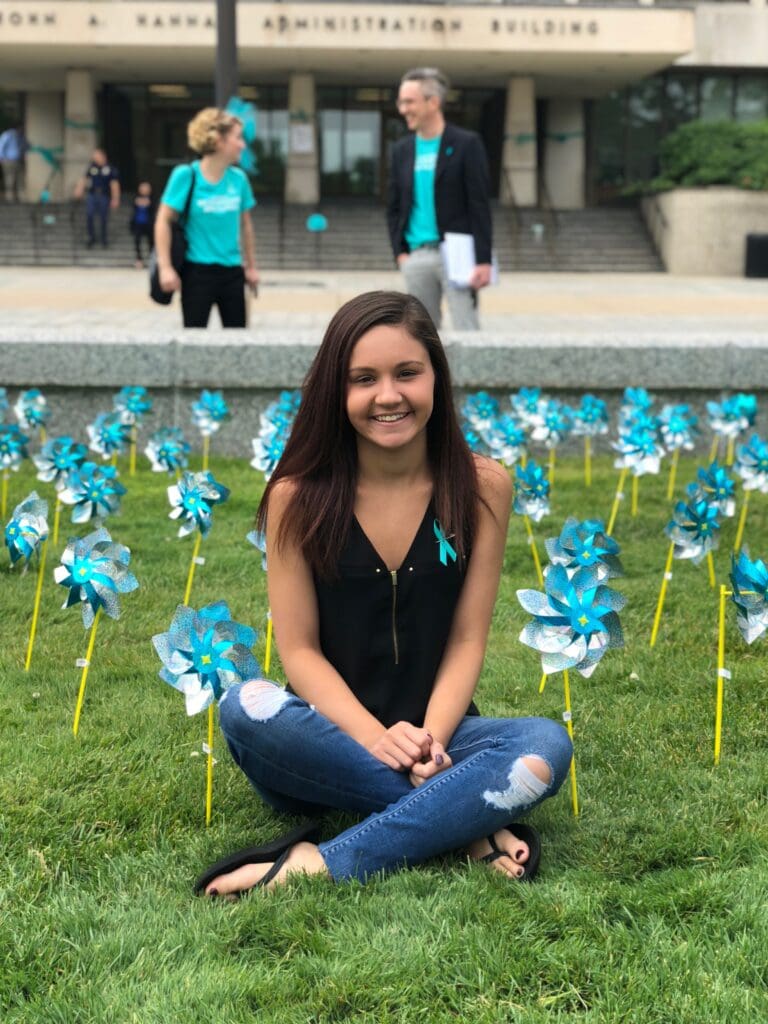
x=220 y=257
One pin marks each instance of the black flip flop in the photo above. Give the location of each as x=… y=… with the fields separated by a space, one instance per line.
x=526 y=834
x=276 y=851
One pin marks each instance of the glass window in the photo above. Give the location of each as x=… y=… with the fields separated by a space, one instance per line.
x=751 y=97
x=681 y=101
x=716 y=98
x=362 y=144
x=607 y=131
x=644 y=114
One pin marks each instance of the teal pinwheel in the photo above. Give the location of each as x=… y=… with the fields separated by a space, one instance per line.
x=715 y=484
x=167 y=450
x=259 y=540
x=591 y=417
x=32 y=410
x=95 y=571
x=27 y=529
x=506 y=439
x=694 y=529
x=678 y=427
x=276 y=423
x=204 y=653
x=526 y=405
x=93 y=490
x=575 y=620
x=192 y=500
x=552 y=424
x=57 y=458
x=109 y=434
x=480 y=409
x=731 y=416
x=4 y=404
x=13 y=446
x=639 y=451
x=132 y=404
x=531 y=491
x=752 y=464
x=635 y=402
x=585 y=545
x=749 y=583
x=209 y=412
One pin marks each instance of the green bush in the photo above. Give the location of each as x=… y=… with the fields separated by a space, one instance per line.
x=704 y=153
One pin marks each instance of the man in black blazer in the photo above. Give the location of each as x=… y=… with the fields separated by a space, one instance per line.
x=438 y=182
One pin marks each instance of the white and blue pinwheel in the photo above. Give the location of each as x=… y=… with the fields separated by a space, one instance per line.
x=13 y=446
x=204 y=653
x=585 y=545
x=575 y=621
x=716 y=485
x=192 y=500
x=531 y=492
x=752 y=464
x=110 y=434
x=209 y=412
x=167 y=450
x=749 y=583
x=694 y=529
x=95 y=571
x=93 y=490
x=27 y=528
x=32 y=410
x=131 y=404
x=57 y=458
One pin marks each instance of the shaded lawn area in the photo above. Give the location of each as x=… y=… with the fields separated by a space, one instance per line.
x=651 y=907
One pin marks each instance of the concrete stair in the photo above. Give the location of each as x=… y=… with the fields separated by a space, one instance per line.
x=591 y=240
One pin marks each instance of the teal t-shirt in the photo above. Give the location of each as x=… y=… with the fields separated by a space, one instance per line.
x=213 y=224
x=422 y=223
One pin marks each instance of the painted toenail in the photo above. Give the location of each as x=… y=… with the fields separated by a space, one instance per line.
x=213 y=892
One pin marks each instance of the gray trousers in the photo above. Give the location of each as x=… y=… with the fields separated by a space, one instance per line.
x=425 y=278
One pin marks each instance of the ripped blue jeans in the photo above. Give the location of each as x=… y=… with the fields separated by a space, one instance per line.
x=300 y=762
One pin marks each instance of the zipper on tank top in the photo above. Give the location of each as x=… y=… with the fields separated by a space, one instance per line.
x=393 y=574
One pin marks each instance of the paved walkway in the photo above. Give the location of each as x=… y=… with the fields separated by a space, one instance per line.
x=643 y=304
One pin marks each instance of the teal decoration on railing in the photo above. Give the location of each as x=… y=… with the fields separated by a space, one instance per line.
x=565 y=136
x=521 y=138
x=49 y=154
x=83 y=126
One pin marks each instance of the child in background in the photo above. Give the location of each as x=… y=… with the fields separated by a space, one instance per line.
x=143 y=220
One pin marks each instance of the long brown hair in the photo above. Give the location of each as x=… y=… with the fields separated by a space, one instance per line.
x=320 y=457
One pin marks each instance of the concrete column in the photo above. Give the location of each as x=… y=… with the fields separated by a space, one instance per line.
x=565 y=153
x=44 y=127
x=519 y=155
x=79 y=126
x=302 y=178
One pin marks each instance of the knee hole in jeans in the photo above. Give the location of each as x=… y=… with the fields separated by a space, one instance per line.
x=262 y=700
x=525 y=785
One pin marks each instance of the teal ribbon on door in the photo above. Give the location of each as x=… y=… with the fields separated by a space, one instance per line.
x=446 y=551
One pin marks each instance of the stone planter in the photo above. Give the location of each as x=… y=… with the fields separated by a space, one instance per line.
x=703 y=230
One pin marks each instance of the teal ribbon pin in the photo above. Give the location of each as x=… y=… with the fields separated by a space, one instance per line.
x=446 y=551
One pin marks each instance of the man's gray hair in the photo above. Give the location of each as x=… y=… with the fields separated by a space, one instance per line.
x=433 y=82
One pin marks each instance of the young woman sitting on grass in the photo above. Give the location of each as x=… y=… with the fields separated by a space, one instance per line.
x=385 y=542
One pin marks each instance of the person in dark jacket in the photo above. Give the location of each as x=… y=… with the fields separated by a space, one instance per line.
x=143 y=220
x=101 y=187
x=438 y=183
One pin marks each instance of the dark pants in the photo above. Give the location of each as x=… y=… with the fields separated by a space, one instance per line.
x=139 y=232
x=97 y=207
x=204 y=285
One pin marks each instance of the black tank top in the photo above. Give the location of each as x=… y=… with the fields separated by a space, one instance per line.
x=385 y=632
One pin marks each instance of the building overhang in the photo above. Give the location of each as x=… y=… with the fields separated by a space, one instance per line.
x=582 y=50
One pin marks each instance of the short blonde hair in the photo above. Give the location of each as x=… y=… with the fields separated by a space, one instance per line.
x=207 y=127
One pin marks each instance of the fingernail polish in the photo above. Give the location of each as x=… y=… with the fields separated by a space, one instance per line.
x=213 y=892
x=439 y=759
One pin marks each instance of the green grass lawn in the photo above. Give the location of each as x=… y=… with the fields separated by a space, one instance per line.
x=651 y=906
